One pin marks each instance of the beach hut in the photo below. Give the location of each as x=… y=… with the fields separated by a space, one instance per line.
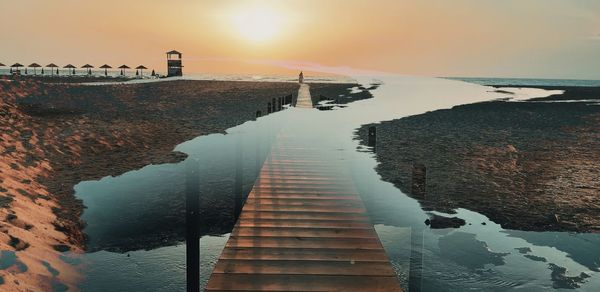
x=52 y=66
x=34 y=66
x=141 y=68
x=105 y=67
x=17 y=66
x=71 y=69
x=88 y=67
x=123 y=68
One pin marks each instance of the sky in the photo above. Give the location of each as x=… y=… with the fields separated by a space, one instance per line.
x=468 y=38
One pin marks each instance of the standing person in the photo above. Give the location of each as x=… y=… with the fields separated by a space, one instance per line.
x=301 y=77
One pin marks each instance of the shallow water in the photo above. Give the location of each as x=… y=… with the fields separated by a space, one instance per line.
x=528 y=81
x=137 y=228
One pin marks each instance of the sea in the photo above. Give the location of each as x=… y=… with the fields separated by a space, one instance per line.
x=527 y=81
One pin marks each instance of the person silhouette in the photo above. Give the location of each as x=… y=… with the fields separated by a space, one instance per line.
x=301 y=77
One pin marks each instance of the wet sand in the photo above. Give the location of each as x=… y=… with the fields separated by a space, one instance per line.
x=56 y=135
x=526 y=165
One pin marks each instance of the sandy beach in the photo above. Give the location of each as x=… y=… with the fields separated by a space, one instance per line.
x=526 y=165
x=55 y=135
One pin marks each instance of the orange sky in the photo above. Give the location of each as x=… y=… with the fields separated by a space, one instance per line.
x=509 y=38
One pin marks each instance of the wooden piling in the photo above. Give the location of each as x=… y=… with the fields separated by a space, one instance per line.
x=372 y=136
x=419 y=180
x=192 y=222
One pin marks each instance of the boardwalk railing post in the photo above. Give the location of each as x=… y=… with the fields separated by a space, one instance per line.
x=280 y=103
x=192 y=222
x=274 y=103
x=269 y=110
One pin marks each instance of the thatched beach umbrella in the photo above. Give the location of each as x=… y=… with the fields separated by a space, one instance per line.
x=123 y=67
x=141 y=68
x=105 y=67
x=88 y=67
x=34 y=66
x=52 y=66
x=71 y=69
x=15 y=65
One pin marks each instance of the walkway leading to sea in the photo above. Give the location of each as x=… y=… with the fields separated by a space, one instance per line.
x=303 y=228
x=304 y=100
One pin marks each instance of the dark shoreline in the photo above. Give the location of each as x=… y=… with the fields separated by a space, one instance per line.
x=525 y=165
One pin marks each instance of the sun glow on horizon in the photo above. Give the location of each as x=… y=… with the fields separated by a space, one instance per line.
x=257 y=24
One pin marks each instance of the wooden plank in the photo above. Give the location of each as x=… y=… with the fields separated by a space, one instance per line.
x=300 y=192
x=279 y=267
x=285 y=171
x=228 y=282
x=333 y=209
x=289 y=183
x=251 y=222
x=304 y=242
x=255 y=215
x=306 y=187
x=302 y=232
x=305 y=196
x=276 y=176
x=303 y=202
x=302 y=254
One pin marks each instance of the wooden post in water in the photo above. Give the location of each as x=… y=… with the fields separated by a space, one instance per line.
x=419 y=181
x=238 y=180
x=192 y=222
x=372 y=136
x=418 y=189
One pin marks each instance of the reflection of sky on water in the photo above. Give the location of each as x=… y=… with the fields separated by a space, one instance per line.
x=145 y=206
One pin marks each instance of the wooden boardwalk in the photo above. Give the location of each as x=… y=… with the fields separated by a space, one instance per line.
x=303 y=228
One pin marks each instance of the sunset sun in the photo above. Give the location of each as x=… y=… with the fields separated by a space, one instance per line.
x=258 y=24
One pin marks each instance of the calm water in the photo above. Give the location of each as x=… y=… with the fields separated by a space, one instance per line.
x=137 y=228
x=527 y=81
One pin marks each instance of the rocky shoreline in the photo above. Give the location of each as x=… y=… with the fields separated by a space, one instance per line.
x=526 y=165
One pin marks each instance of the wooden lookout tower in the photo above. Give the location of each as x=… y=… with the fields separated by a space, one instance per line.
x=174 y=67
